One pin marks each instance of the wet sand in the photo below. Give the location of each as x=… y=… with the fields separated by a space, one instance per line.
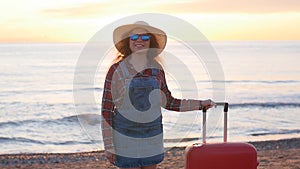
x=280 y=154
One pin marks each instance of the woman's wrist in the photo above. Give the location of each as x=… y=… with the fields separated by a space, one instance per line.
x=200 y=106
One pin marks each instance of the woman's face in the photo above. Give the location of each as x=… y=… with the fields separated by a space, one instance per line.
x=141 y=44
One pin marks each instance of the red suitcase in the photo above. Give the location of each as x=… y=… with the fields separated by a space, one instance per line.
x=220 y=155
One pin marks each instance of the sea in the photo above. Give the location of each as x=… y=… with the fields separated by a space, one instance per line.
x=40 y=111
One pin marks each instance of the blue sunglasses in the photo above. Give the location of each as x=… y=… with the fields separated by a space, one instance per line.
x=144 y=37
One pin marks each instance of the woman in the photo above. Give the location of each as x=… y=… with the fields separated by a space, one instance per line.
x=135 y=89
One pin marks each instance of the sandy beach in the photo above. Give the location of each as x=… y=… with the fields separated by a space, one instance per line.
x=280 y=154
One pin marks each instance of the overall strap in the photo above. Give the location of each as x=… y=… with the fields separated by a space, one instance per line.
x=124 y=70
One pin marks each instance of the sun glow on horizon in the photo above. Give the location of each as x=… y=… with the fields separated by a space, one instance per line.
x=77 y=21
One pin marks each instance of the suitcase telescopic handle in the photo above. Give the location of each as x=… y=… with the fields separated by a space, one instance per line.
x=225 y=105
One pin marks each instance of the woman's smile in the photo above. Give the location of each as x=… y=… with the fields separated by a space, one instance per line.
x=138 y=44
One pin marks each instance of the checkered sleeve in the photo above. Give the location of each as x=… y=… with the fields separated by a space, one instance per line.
x=171 y=103
x=107 y=110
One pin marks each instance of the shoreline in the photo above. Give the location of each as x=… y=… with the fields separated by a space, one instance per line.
x=283 y=153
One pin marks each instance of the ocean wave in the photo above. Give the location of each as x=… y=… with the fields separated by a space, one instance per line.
x=264 y=105
x=252 y=81
x=10 y=123
x=255 y=134
x=275 y=132
x=176 y=140
x=14 y=92
x=90 y=118
x=32 y=141
x=19 y=139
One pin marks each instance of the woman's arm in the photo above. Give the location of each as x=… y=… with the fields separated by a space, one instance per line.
x=171 y=103
x=107 y=112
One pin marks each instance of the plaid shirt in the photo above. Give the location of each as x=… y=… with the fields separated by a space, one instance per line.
x=113 y=94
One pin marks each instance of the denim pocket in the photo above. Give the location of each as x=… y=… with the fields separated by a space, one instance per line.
x=139 y=97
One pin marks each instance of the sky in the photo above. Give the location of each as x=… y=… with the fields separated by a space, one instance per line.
x=78 y=20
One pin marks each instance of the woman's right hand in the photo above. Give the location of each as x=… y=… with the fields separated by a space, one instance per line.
x=207 y=104
x=111 y=156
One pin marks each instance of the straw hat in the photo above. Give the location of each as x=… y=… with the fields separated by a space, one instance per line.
x=123 y=31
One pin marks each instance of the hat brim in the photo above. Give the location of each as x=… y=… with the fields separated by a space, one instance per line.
x=123 y=31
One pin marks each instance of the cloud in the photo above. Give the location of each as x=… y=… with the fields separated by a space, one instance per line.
x=193 y=6
x=81 y=10
x=233 y=6
x=108 y=8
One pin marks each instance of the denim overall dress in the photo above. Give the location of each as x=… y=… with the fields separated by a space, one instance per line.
x=137 y=123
